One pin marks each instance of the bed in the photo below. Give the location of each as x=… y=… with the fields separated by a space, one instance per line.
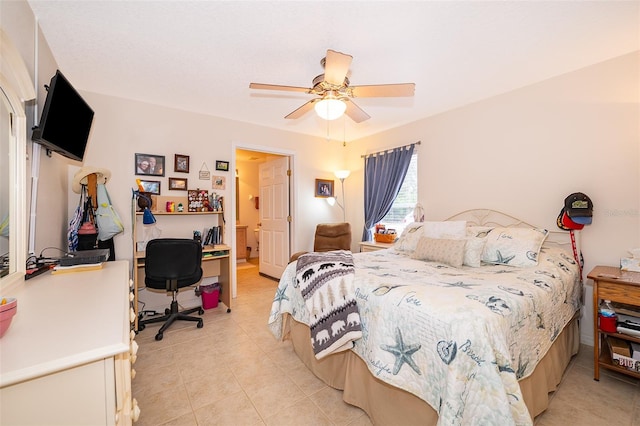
x=445 y=335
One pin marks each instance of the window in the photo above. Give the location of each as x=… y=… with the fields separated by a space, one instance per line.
x=401 y=213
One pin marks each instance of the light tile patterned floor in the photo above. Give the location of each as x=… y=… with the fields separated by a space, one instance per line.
x=234 y=372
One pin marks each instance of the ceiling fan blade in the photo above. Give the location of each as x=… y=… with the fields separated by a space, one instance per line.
x=278 y=87
x=383 y=90
x=336 y=67
x=354 y=112
x=302 y=110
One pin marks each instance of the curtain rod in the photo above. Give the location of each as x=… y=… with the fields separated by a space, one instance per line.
x=389 y=150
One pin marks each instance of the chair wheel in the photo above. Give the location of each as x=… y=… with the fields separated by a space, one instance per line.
x=159 y=336
x=201 y=311
x=200 y=324
x=167 y=311
x=141 y=327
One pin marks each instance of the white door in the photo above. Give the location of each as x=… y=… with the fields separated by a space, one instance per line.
x=274 y=216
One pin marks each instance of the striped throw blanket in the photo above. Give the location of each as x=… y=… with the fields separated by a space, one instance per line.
x=326 y=284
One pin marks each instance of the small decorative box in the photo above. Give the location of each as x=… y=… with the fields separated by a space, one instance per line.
x=384 y=238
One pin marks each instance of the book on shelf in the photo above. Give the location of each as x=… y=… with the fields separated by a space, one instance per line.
x=212 y=236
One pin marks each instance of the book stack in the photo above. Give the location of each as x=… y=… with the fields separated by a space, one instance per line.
x=212 y=236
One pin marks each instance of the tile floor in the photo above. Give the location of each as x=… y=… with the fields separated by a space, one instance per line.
x=234 y=372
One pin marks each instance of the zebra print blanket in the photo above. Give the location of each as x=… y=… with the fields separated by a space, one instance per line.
x=326 y=284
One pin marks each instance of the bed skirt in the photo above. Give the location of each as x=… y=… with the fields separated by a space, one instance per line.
x=385 y=404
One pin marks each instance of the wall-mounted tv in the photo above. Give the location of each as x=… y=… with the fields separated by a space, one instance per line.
x=66 y=120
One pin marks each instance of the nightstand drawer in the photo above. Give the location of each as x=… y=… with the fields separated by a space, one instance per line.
x=619 y=292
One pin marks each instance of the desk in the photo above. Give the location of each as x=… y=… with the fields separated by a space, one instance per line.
x=215 y=262
x=66 y=359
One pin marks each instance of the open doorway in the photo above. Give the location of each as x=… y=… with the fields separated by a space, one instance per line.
x=262 y=234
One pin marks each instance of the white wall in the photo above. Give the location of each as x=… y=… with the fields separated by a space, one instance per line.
x=524 y=151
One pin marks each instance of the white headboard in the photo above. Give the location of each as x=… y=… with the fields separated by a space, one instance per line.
x=488 y=217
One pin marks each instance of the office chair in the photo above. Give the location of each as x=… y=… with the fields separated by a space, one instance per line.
x=170 y=264
x=328 y=237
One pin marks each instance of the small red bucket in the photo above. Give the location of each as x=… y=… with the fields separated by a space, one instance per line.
x=210 y=294
x=608 y=324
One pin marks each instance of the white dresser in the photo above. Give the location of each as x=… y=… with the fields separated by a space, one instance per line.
x=66 y=359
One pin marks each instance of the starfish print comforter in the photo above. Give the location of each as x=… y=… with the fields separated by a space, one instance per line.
x=458 y=338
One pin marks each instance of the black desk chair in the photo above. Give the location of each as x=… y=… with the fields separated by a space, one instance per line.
x=170 y=264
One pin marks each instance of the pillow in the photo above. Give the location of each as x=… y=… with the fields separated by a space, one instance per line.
x=409 y=238
x=473 y=251
x=514 y=246
x=448 y=229
x=447 y=251
x=476 y=239
x=478 y=231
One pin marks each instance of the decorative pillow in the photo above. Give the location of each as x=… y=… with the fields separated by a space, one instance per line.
x=446 y=251
x=449 y=229
x=514 y=246
x=476 y=239
x=473 y=251
x=478 y=231
x=409 y=238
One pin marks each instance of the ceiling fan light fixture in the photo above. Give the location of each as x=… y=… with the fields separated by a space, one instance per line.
x=330 y=108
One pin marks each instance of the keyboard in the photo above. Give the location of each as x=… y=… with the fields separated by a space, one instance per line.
x=84 y=257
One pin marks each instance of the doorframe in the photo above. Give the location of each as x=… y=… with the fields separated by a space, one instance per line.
x=293 y=206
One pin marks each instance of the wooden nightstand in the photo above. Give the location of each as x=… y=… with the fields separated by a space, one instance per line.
x=373 y=246
x=610 y=283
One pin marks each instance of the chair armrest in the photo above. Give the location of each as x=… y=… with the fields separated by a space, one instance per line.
x=295 y=256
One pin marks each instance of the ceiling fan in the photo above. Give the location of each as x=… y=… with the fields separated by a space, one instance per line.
x=333 y=86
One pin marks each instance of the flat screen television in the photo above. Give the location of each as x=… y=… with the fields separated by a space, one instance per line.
x=66 y=120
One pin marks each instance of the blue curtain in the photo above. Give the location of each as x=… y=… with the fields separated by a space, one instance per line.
x=383 y=176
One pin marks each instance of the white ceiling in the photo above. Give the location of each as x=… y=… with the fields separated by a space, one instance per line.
x=201 y=55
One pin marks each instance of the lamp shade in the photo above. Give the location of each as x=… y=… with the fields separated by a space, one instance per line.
x=147 y=217
x=331 y=201
x=342 y=174
x=330 y=108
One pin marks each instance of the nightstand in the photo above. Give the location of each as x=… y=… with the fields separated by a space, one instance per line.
x=373 y=246
x=610 y=283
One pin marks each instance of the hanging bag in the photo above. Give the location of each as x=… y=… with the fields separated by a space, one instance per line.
x=108 y=221
x=75 y=222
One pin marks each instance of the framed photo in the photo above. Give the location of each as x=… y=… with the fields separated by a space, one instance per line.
x=218 y=182
x=151 y=186
x=222 y=165
x=149 y=164
x=178 y=184
x=181 y=163
x=324 y=188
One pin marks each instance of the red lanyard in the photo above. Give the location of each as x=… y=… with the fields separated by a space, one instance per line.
x=577 y=257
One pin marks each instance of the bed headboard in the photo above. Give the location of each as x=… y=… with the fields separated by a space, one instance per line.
x=488 y=217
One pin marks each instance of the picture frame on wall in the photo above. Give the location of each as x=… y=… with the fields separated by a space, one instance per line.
x=181 y=163
x=324 y=188
x=178 y=184
x=149 y=164
x=222 y=166
x=218 y=182
x=151 y=186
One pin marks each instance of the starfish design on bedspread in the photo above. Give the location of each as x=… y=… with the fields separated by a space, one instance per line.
x=403 y=353
x=460 y=284
x=280 y=296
